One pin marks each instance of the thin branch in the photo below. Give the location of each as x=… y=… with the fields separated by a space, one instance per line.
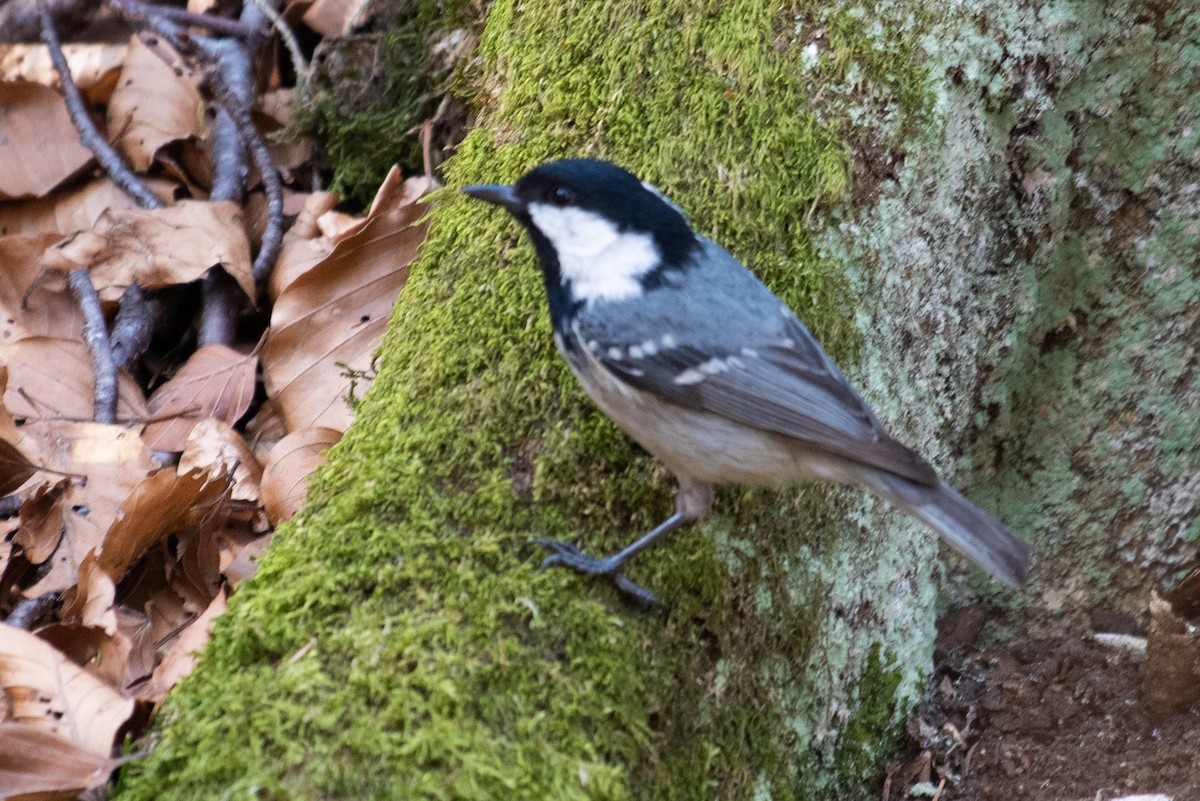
x=137 y=316
x=89 y=135
x=28 y=611
x=95 y=334
x=227 y=27
x=10 y=506
x=299 y=62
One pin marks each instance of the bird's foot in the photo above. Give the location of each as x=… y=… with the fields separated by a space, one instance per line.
x=564 y=554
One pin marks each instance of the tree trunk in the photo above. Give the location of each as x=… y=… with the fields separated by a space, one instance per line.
x=1018 y=250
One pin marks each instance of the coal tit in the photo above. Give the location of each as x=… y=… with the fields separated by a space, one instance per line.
x=701 y=364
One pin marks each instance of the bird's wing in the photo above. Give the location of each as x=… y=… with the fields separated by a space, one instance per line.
x=786 y=385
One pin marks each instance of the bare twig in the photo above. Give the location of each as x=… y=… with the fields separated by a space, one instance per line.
x=221 y=25
x=229 y=82
x=10 y=506
x=137 y=317
x=230 y=87
x=221 y=300
x=108 y=158
x=289 y=41
x=29 y=611
x=95 y=334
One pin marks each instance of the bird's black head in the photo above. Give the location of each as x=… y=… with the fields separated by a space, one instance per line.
x=600 y=233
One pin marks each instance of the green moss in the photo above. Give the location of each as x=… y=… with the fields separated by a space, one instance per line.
x=370 y=92
x=870 y=735
x=399 y=641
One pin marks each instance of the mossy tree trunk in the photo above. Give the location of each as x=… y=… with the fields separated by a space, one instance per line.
x=398 y=641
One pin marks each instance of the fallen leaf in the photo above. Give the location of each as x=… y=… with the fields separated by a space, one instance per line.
x=330 y=319
x=214 y=446
x=102 y=654
x=41 y=529
x=155 y=248
x=160 y=505
x=153 y=104
x=34 y=760
x=332 y=18
x=50 y=692
x=216 y=381
x=94 y=66
x=15 y=469
x=32 y=301
x=265 y=429
x=303 y=244
x=52 y=379
x=39 y=147
x=287 y=470
x=76 y=209
x=180 y=658
x=112 y=461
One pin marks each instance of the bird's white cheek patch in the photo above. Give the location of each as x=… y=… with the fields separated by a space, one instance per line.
x=600 y=261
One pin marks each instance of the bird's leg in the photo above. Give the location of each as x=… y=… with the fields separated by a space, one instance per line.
x=691 y=502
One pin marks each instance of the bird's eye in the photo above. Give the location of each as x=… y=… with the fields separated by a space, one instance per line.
x=562 y=196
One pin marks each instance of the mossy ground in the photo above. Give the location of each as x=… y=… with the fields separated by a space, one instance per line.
x=398 y=641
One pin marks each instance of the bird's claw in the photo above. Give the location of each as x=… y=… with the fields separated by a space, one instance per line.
x=565 y=554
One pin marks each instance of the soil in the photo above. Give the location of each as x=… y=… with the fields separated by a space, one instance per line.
x=1061 y=719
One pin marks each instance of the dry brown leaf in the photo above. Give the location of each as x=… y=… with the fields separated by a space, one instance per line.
x=75 y=209
x=336 y=312
x=265 y=429
x=39 y=147
x=102 y=654
x=33 y=302
x=52 y=693
x=216 y=381
x=332 y=18
x=34 y=760
x=155 y=248
x=52 y=379
x=180 y=657
x=287 y=469
x=15 y=469
x=214 y=446
x=303 y=245
x=113 y=460
x=41 y=522
x=94 y=67
x=160 y=505
x=152 y=104
x=336 y=226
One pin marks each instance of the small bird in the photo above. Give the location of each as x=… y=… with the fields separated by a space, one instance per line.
x=689 y=353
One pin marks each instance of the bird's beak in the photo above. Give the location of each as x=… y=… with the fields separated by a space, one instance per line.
x=498 y=194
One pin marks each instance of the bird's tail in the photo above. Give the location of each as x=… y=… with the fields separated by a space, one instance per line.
x=982 y=538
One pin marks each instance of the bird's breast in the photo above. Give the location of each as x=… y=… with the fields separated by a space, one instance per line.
x=692 y=442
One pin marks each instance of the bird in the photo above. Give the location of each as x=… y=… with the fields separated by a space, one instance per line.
x=701 y=364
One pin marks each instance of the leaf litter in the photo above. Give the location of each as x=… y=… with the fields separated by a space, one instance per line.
x=122 y=542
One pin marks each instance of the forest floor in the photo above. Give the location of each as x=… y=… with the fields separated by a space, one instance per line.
x=1062 y=719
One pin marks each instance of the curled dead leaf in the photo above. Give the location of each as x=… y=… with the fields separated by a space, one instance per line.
x=50 y=692
x=287 y=470
x=153 y=104
x=155 y=248
x=75 y=209
x=214 y=446
x=216 y=381
x=36 y=761
x=327 y=323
